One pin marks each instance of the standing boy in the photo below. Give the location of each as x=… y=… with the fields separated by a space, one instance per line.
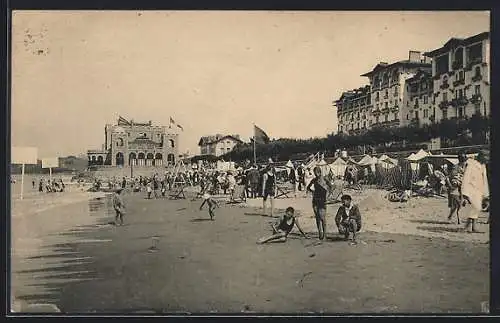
x=119 y=206
x=322 y=188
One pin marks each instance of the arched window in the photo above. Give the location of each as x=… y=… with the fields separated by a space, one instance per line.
x=140 y=159
x=171 y=158
x=100 y=160
x=158 y=159
x=119 y=142
x=119 y=159
x=132 y=159
x=172 y=143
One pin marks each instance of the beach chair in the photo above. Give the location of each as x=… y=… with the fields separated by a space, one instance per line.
x=282 y=191
x=178 y=193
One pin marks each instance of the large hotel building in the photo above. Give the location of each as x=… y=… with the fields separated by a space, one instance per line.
x=449 y=82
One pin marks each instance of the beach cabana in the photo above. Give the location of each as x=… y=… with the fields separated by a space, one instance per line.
x=338 y=167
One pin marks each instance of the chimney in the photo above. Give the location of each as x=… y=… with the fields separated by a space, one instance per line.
x=414 y=56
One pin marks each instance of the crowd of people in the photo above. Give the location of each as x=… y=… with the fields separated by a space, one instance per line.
x=49 y=185
x=261 y=182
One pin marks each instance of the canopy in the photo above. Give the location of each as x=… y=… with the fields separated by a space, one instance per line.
x=419 y=155
x=366 y=160
x=383 y=157
x=338 y=167
x=289 y=164
x=322 y=162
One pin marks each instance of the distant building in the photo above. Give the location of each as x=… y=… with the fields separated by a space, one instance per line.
x=461 y=77
x=353 y=110
x=379 y=104
x=218 y=145
x=387 y=84
x=418 y=100
x=136 y=143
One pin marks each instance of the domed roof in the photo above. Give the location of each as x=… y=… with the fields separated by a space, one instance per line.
x=118 y=130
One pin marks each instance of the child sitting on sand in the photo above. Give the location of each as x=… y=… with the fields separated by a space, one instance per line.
x=283 y=227
x=212 y=204
x=348 y=218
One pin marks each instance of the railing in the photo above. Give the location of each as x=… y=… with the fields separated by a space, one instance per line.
x=458 y=82
x=444 y=104
x=457 y=65
x=476 y=98
x=473 y=62
x=477 y=78
x=459 y=102
x=444 y=86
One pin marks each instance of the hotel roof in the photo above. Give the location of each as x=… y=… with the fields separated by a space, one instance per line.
x=382 y=65
x=456 y=42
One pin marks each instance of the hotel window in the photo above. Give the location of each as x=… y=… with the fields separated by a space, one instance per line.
x=386 y=117
x=376 y=96
x=386 y=105
x=461 y=75
x=369 y=122
x=460 y=112
x=460 y=93
x=357 y=125
x=477 y=89
x=364 y=124
x=386 y=94
x=340 y=128
x=477 y=71
x=228 y=149
x=376 y=119
x=425 y=99
x=475 y=53
x=442 y=64
x=407 y=117
x=396 y=91
x=477 y=108
x=445 y=96
x=445 y=113
x=416 y=102
x=426 y=113
x=352 y=126
x=396 y=116
x=416 y=114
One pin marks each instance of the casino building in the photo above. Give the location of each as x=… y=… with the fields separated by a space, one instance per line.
x=140 y=144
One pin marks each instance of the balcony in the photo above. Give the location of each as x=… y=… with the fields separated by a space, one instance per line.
x=377 y=99
x=415 y=121
x=476 y=98
x=477 y=78
x=456 y=65
x=459 y=102
x=444 y=86
x=376 y=112
x=458 y=82
x=394 y=108
x=384 y=110
x=472 y=62
x=444 y=104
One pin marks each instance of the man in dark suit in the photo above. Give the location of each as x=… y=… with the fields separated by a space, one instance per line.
x=348 y=218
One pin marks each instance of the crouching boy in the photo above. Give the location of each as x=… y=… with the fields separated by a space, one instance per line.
x=348 y=218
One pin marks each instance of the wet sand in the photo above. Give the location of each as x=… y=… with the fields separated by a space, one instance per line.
x=216 y=266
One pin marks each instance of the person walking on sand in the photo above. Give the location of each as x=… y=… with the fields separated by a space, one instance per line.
x=321 y=189
x=348 y=218
x=474 y=190
x=455 y=185
x=212 y=205
x=33 y=183
x=118 y=206
x=268 y=188
x=283 y=227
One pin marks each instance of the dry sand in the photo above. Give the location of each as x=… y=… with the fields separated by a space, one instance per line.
x=216 y=266
x=420 y=216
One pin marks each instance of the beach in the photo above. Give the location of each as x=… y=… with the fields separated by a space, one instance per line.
x=87 y=265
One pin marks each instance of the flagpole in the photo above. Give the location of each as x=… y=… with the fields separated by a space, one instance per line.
x=254 y=152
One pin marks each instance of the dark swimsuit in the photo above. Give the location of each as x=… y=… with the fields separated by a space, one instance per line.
x=285 y=227
x=269 y=189
x=319 y=195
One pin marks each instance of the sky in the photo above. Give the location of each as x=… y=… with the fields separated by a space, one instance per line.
x=212 y=72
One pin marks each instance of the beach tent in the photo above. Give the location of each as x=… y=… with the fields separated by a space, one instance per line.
x=338 y=167
x=365 y=161
x=418 y=156
x=383 y=157
x=289 y=164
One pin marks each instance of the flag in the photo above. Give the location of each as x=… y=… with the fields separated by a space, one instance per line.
x=180 y=127
x=260 y=135
x=123 y=122
x=171 y=123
